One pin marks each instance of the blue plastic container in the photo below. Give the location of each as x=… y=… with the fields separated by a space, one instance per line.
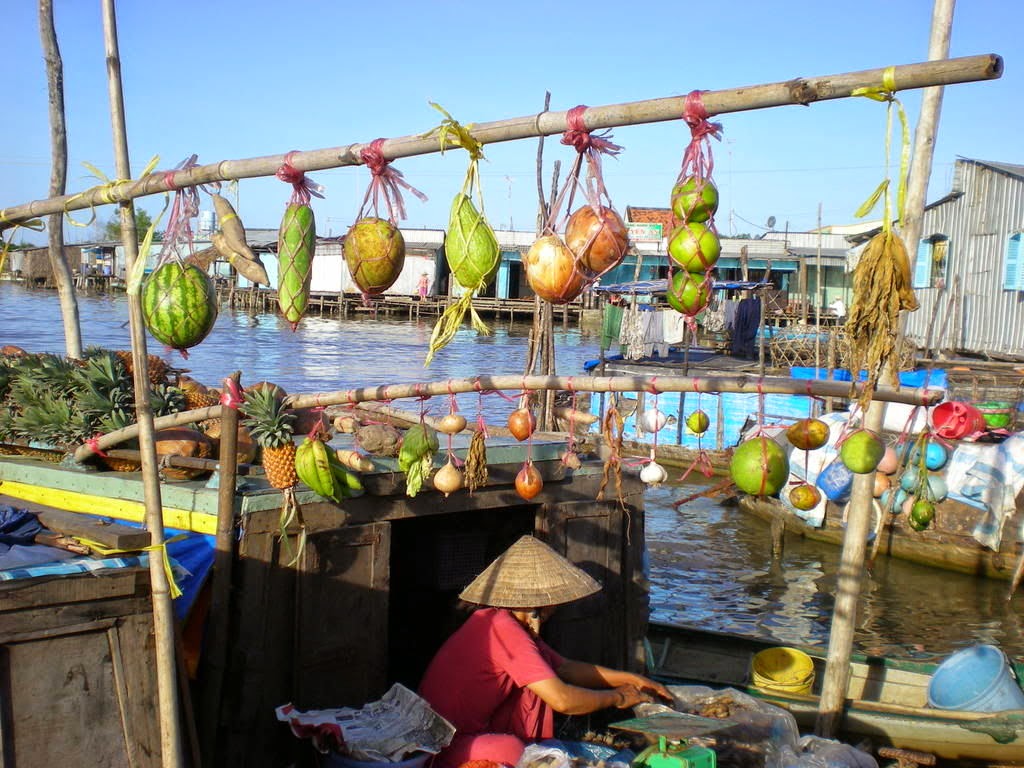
x=976 y=679
x=335 y=760
x=835 y=481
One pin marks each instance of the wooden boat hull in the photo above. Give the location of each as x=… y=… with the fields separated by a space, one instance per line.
x=947 y=544
x=886 y=704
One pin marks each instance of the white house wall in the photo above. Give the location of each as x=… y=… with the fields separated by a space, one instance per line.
x=986 y=317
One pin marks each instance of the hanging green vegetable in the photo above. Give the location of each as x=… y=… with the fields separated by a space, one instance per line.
x=470 y=245
x=416 y=456
x=296 y=245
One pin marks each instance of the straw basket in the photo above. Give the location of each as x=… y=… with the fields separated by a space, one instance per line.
x=783 y=670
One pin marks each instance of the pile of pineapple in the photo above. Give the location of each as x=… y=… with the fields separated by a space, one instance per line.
x=57 y=402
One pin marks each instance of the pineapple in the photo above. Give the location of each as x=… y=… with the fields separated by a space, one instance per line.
x=157 y=368
x=271 y=426
x=196 y=394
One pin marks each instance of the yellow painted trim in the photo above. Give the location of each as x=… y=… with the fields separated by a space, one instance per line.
x=85 y=503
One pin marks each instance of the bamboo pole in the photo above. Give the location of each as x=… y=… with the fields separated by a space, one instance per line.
x=797 y=91
x=215 y=656
x=712 y=384
x=163 y=616
x=851 y=566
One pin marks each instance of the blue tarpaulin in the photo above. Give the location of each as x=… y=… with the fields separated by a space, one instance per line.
x=935 y=377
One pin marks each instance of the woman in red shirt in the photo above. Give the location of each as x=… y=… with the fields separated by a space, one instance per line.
x=498 y=683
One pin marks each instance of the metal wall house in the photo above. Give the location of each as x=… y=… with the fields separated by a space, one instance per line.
x=969 y=265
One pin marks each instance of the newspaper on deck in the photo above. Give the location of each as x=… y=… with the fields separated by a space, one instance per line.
x=385 y=730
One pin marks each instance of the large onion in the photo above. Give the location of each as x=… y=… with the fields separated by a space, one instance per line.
x=448 y=479
x=528 y=481
x=521 y=423
x=598 y=238
x=551 y=270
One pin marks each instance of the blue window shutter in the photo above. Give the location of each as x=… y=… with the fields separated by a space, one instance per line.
x=923 y=265
x=1013 y=265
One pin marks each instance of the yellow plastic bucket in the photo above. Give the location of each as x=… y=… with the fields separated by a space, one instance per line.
x=783 y=670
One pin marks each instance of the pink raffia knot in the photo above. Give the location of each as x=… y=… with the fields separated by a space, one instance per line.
x=232 y=396
x=302 y=186
x=698 y=160
x=93 y=444
x=577 y=135
x=386 y=182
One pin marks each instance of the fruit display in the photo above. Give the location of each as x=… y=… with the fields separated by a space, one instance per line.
x=374 y=253
x=759 y=466
x=861 y=451
x=552 y=271
x=598 y=237
x=688 y=293
x=694 y=200
x=179 y=304
x=296 y=246
x=694 y=247
x=323 y=472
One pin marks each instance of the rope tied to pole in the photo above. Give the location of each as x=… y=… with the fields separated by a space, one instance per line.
x=303 y=187
x=386 y=182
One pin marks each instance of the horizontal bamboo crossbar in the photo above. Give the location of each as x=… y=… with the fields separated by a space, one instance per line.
x=797 y=91
x=486 y=384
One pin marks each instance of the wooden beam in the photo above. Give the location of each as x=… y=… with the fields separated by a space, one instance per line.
x=797 y=91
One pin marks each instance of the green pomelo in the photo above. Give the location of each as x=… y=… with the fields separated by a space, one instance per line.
x=862 y=451
x=687 y=293
x=694 y=199
x=375 y=254
x=694 y=247
x=759 y=467
x=179 y=304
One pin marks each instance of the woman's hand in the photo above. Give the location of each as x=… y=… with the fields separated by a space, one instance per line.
x=629 y=696
x=651 y=687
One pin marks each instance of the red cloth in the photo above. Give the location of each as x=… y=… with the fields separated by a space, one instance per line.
x=477 y=682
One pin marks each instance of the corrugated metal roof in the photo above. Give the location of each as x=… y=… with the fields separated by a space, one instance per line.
x=1008 y=168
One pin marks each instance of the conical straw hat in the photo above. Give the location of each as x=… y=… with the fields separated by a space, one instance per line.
x=529 y=574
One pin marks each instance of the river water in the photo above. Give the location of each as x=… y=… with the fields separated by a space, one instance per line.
x=710 y=565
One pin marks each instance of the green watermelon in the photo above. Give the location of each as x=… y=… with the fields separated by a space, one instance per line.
x=179 y=304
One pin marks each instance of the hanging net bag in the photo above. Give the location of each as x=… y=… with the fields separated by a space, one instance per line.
x=559 y=269
x=179 y=301
x=471 y=248
x=374 y=246
x=693 y=245
x=296 y=243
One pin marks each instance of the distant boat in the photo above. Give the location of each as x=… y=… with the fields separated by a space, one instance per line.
x=886 y=704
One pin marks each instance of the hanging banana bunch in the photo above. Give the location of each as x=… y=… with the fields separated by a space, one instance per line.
x=320 y=468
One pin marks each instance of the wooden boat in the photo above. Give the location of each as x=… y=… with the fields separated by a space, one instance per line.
x=947 y=543
x=886 y=704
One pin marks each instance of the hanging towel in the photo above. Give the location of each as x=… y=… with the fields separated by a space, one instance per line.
x=988 y=477
x=674 y=326
x=611 y=325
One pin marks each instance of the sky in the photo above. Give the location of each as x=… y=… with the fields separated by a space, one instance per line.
x=232 y=79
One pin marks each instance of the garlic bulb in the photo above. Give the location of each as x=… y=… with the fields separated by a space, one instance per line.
x=653 y=473
x=652 y=420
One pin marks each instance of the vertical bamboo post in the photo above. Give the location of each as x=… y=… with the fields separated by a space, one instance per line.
x=163 y=615
x=851 y=567
x=214 y=659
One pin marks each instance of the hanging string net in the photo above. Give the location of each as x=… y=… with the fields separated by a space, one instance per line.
x=471 y=247
x=179 y=301
x=296 y=243
x=694 y=246
x=558 y=269
x=374 y=246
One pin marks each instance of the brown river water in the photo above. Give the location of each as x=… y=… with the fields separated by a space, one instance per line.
x=710 y=565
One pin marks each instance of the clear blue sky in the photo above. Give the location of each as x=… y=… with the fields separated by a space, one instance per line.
x=229 y=79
